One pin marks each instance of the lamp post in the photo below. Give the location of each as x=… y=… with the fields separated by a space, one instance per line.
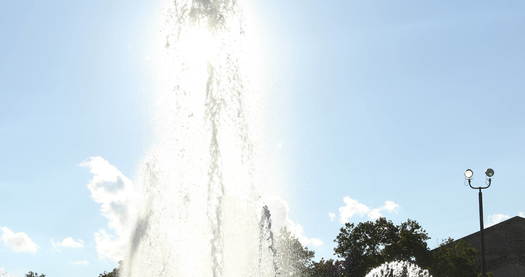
x=468 y=175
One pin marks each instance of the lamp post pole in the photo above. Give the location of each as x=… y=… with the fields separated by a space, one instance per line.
x=468 y=175
x=481 y=227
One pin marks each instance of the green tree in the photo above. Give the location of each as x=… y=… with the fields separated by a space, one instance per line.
x=114 y=273
x=454 y=259
x=327 y=268
x=292 y=258
x=370 y=244
x=34 y=274
x=410 y=245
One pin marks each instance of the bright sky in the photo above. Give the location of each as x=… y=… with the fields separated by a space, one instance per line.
x=371 y=101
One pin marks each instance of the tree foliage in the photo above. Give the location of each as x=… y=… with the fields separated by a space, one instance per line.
x=454 y=259
x=369 y=244
x=34 y=274
x=114 y=273
x=327 y=268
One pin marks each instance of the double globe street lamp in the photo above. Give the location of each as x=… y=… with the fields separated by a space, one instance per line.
x=468 y=175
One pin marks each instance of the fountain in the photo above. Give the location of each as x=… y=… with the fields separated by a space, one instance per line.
x=199 y=209
x=398 y=269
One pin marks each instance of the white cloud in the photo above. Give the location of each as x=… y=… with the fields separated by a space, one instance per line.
x=68 y=242
x=497 y=218
x=18 y=242
x=110 y=246
x=83 y=262
x=4 y=273
x=372 y=214
x=390 y=206
x=113 y=191
x=353 y=208
x=332 y=216
x=280 y=218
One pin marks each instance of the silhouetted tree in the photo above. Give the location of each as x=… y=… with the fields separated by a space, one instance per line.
x=454 y=259
x=114 y=273
x=370 y=244
x=34 y=274
x=327 y=268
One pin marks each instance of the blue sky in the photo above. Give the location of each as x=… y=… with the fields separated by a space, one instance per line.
x=370 y=100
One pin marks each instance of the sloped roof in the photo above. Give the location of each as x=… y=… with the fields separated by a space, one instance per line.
x=504 y=247
x=513 y=222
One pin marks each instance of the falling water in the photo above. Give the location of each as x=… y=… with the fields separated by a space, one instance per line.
x=200 y=211
x=398 y=269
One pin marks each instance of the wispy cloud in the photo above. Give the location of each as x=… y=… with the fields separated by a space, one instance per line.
x=353 y=208
x=18 y=242
x=4 y=273
x=497 y=218
x=83 y=262
x=280 y=218
x=112 y=190
x=68 y=242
